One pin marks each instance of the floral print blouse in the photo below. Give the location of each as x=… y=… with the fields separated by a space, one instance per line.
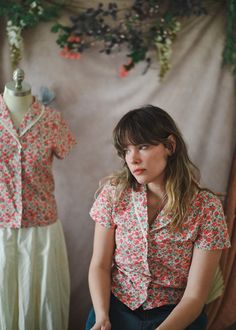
x=26 y=155
x=151 y=263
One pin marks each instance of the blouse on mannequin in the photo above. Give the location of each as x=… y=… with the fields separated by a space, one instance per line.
x=27 y=150
x=34 y=282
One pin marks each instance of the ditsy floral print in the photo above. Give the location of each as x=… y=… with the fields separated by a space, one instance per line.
x=151 y=262
x=26 y=155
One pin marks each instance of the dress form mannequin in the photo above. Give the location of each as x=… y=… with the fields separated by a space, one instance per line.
x=34 y=281
x=17 y=97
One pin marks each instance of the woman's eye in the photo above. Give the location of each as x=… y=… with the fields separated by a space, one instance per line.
x=143 y=147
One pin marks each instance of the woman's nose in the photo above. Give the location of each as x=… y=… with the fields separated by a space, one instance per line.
x=135 y=158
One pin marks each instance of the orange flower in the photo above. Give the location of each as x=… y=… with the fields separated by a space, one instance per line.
x=123 y=72
x=74 y=56
x=67 y=53
x=73 y=39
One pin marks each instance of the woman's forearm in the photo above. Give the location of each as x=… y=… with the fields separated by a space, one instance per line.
x=187 y=310
x=99 y=285
x=201 y=274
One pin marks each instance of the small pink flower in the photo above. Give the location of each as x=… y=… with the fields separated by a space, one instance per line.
x=74 y=56
x=67 y=53
x=123 y=72
x=73 y=39
x=62 y=53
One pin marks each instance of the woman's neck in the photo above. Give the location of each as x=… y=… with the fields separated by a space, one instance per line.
x=155 y=190
x=156 y=201
x=17 y=105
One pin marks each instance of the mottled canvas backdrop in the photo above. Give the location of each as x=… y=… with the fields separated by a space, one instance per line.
x=197 y=92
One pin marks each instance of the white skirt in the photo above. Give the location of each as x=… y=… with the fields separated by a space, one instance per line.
x=34 y=279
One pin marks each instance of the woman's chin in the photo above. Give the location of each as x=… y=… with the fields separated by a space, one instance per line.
x=141 y=180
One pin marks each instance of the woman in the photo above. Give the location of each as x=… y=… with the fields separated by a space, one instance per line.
x=158 y=234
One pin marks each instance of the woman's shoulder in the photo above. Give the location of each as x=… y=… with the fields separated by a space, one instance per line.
x=207 y=198
x=113 y=183
x=112 y=189
x=105 y=187
x=206 y=207
x=109 y=183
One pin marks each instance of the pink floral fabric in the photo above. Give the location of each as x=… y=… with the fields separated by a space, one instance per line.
x=151 y=263
x=26 y=155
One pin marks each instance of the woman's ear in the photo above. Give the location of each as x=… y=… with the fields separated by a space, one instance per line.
x=171 y=146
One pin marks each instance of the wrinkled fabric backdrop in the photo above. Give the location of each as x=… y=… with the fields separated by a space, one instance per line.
x=197 y=92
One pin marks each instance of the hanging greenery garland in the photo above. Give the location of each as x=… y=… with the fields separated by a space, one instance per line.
x=142 y=28
x=20 y=15
x=145 y=26
x=229 y=54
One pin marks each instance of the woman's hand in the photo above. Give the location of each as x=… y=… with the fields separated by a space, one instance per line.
x=102 y=325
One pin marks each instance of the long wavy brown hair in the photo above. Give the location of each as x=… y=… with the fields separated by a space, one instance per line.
x=152 y=125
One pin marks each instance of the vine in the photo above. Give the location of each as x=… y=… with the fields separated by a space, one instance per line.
x=20 y=15
x=229 y=54
x=144 y=27
x=147 y=25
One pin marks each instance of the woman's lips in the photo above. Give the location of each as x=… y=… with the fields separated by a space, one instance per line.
x=139 y=171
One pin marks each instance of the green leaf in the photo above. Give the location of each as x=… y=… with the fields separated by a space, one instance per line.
x=55 y=28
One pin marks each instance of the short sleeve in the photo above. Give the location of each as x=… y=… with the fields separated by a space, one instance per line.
x=213 y=233
x=63 y=138
x=102 y=209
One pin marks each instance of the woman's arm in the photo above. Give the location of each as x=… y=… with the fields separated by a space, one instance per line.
x=201 y=274
x=100 y=275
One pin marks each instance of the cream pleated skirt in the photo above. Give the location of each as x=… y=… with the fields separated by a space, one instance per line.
x=34 y=279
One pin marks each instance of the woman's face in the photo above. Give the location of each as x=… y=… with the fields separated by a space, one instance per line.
x=147 y=162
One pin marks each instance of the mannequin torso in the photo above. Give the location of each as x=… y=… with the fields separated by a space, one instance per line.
x=17 y=105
